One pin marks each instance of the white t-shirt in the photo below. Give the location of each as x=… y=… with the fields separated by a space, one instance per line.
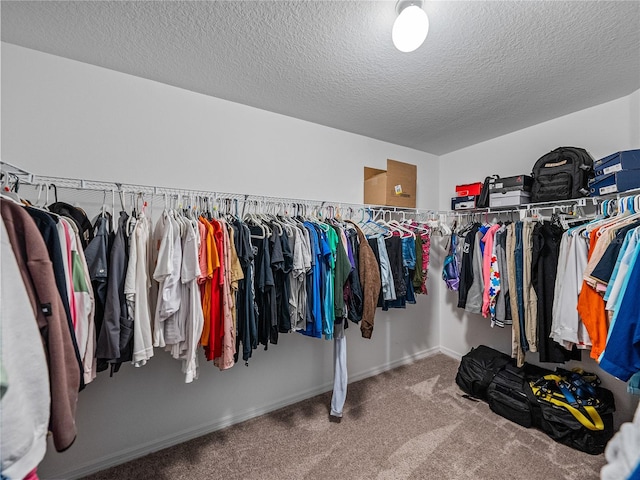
x=191 y=303
x=567 y=328
x=137 y=284
x=164 y=235
x=170 y=294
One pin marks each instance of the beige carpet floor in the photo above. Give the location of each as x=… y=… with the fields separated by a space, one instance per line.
x=410 y=422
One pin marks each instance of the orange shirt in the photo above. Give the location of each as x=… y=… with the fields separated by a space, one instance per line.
x=216 y=330
x=212 y=262
x=591 y=307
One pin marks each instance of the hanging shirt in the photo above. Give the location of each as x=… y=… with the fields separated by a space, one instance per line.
x=278 y=242
x=228 y=347
x=301 y=265
x=63 y=229
x=386 y=275
x=236 y=275
x=502 y=305
x=490 y=273
x=136 y=290
x=620 y=294
x=604 y=269
x=163 y=237
x=621 y=357
x=189 y=275
x=170 y=293
x=110 y=348
x=567 y=327
x=328 y=246
x=423 y=246
x=84 y=303
x=624 y=263
x=206 y=283
x=591 y=308
x=264 y=284
x=216 y=332
x=314 y=279
x=247 y=310
x=342 y=271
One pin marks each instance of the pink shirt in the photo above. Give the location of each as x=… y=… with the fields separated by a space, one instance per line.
x=488 y=238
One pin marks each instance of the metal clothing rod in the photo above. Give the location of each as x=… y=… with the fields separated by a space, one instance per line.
x=28 y=178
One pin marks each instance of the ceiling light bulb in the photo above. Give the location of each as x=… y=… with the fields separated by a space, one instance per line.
x=410 y=28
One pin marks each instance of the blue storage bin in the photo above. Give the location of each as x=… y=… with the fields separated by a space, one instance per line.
x=626 y=160
x=620 y=181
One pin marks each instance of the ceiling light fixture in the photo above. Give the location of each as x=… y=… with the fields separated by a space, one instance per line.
x=411 y=27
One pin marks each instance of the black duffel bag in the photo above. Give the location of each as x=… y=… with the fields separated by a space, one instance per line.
x=508 y=394
x=575 y=410
x=477 y=369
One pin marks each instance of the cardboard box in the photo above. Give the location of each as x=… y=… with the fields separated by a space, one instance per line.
x=394 y=187
x=513 y=198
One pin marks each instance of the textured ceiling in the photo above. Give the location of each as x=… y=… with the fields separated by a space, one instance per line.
x=486 y=68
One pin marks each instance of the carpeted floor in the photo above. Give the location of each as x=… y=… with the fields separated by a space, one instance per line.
x=410 y=422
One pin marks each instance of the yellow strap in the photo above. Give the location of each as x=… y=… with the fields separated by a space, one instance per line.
x=593 y=423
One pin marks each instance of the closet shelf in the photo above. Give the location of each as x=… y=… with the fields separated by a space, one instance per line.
x=28 y=178
x=575 y=202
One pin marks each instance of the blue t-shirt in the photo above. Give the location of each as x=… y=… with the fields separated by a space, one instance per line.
x=314 y=299
x=328 y=265
x=621 y=357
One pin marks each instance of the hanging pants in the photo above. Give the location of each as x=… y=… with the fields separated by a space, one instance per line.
x=339 y=371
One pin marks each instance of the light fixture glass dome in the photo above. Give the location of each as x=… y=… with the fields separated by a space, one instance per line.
x=410 y=28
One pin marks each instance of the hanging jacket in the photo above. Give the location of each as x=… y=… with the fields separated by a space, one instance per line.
x=97 y=256
x=466 y=268
x=26 y=400
x=85 y=229
x=46 y=224
x=109 y=346
x=37 y=274
x=354 y=299
x=369 y=271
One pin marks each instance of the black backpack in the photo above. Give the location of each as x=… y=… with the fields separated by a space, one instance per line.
x=561 y=174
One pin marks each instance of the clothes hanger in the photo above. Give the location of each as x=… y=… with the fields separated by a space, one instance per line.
x=41 y=188
x=623 y=218
x=369 y=226
x=404 y=232
x=251 y=219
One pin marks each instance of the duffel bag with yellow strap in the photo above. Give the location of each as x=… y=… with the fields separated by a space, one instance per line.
x=575 y=410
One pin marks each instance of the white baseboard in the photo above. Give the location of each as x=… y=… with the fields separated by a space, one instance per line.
x=450 y=353
x=156 y=444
